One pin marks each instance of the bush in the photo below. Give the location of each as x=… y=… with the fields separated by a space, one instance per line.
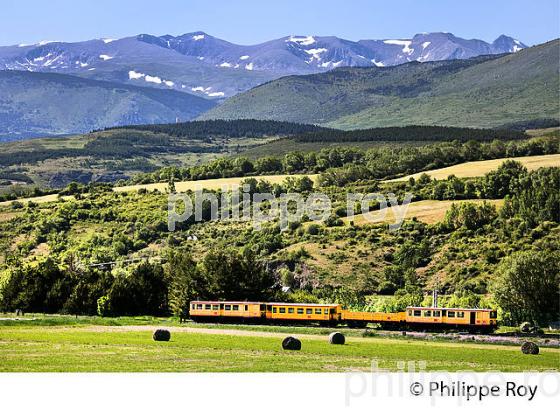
x=313 y=229
x=103 y=308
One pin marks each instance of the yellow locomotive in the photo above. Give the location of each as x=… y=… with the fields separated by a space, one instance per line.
x=483 y=320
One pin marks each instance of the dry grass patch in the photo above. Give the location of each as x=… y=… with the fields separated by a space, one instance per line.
x=480 y=168
x=428 y=211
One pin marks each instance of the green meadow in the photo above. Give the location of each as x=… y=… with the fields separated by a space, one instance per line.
x=94 y=348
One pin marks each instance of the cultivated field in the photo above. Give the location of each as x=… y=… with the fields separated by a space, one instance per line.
x=207 y=183
x=26 y=348
x=428 y=211
x=479 y=168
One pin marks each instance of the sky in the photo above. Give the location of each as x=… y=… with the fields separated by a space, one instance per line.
x=255 y=21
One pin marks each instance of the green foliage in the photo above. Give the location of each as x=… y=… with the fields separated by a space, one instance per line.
x=527 y=286
x=469 y=216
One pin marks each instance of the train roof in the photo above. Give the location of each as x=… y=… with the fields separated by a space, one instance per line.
x=230 y=302
x=304 y=304
x=446 y=308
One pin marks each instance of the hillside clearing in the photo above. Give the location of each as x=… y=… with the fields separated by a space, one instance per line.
x=428 y=211
x=479 y=168
x=211 y=184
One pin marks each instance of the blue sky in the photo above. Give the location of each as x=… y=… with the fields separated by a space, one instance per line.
x=253 y=21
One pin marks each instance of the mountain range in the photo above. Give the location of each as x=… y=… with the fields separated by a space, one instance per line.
x=60 y=87
x=484 y=91
x=207 y=66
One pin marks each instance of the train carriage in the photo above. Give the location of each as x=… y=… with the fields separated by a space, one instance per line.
x=434 y=317
x=226 y=311
x=414 y=317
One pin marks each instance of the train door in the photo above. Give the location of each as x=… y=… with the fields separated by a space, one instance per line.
x=473 y=318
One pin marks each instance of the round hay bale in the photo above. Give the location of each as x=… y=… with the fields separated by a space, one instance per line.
x=162 y=335
x=291 y=343
x=530 y=348
x=336 y=338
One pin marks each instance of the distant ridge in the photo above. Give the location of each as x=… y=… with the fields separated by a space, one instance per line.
x=483 y=92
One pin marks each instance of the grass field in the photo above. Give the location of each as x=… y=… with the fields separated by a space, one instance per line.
x=428 y=211
x=479 y=168
x=26 y=348
x=207 y=183
x=182 y=186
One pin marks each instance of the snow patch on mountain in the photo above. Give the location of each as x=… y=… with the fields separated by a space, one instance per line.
x=153 y=79
x=243 y=57
x=249 y=66
x=105 y=57
x=405 y=43
x=198 y=37
x=133 y=75
x=315 y=53
x=304 y=41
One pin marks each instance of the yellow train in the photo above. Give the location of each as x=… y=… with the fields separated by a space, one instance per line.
x=483 y=320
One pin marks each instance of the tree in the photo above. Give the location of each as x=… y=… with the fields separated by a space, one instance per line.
x=469 y=216
x=499 y=183
x=186 y=282
x=527 y=286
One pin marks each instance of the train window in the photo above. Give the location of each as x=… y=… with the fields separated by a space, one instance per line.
x=417 y=313
x=246 y=307
x=493 y=314
x=409 y=312
x=332 y=311
x=207 y=307
x=450 y=314
x=215 y=307
x=427 y=313
x=300 y=311
x=282 y=310
x=326 y=311
x=308 y=311
x=317 y=311
x=460 y=314
x=273 y=310
x=192 y=306
x=199 y=307
x=235 y=307
x=290 y=310
x=437 y=313
x=228 y=307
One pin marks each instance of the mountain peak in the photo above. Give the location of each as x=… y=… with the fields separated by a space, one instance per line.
x=508 y=44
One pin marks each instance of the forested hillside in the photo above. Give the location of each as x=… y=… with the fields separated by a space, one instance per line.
x=480 y=92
